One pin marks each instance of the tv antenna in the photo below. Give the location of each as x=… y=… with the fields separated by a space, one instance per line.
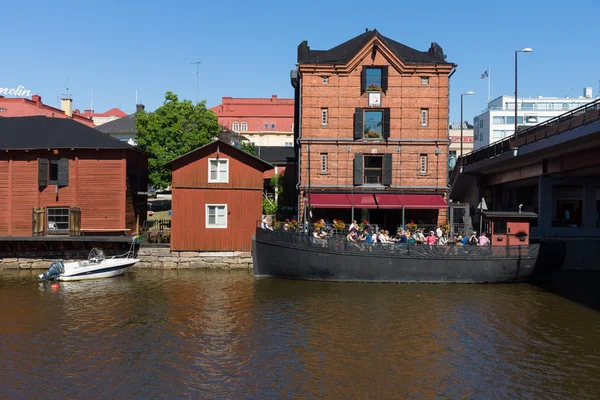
x=197 y=73
x=67 y=94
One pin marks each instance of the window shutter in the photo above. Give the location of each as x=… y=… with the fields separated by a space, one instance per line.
x=358 y=169
x=384 y=78
x=74 y=221
x=63 y=172
x=387 y=170
x=358 y=124
x=363 y=80
x=386 y=123
x=43 y=166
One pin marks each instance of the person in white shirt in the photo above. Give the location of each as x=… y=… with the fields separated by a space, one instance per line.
x=265 y=224
x=438 y=232
x=381 y=237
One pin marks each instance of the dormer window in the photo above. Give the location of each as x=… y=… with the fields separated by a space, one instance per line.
x=374 y=79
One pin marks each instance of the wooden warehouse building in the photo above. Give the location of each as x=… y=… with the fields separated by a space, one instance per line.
x=60 y=177
x=217 y=198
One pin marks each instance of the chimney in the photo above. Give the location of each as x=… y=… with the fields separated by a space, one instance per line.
x=139 y=107
x=587 y=92
x=66 y=105
x=273 y=98
x=89 y=111
x=37 y=99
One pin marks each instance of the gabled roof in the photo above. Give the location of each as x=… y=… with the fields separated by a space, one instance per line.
x=121 y=125
x=229 y=136
x=22 y=107
x=28 y=133
x=277 y=154
x=218 y=142
x=344 y=52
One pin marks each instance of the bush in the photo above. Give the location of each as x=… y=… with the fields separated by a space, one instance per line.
x=269 y=207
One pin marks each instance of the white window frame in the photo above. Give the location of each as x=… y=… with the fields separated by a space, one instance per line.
x=56 y=231
x=324 y=163
x=423 y=164
x=218 y=164
x=235 y=126
x=424 y=117
x=325 y=79
x=215 y=225
x=244 y=126
x=324 y=116
x=424 y=80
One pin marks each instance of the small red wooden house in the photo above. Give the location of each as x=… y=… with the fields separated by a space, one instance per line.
x=60 y=177
x=217 y=198
x=508 y=228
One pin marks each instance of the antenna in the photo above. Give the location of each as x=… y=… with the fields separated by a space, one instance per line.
x=66 y=95
x=197 y=76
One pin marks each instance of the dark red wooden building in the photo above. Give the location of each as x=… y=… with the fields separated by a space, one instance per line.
x=217 y=198
x=60 y=177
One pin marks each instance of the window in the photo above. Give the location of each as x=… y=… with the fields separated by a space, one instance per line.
x=511 y=120
x=288 y=144
x=57 y=220
x=481 y=123
x=272 y=126
x=501 y=134
x=423 y=164
x=53 y=172
x=424 y=117
x=244 y=126
x=499 y=120
x=452 y=153
x=235 y=126
x=424 y=80
x=216 y=215
x=218 y=171
x=373 y=170
x=325 y=79
x=324 y=162
x=373 y=124
x=499 y=227
x=373 y=78
x=324 y=116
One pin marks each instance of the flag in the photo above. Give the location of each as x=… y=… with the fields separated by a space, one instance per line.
x=484 y=75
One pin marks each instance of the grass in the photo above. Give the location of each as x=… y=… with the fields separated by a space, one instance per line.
x=159 y=215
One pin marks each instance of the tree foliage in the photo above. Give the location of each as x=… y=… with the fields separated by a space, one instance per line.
x=172 y=130
x=249 y=147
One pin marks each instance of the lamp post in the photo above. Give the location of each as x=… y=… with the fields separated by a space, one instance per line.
x=462 y=162
x=525 y=50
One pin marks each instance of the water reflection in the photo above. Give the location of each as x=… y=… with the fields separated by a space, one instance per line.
x=166 y=334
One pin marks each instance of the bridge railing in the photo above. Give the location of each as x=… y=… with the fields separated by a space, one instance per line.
x=568 y=121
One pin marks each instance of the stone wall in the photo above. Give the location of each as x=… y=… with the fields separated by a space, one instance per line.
x=164 y=258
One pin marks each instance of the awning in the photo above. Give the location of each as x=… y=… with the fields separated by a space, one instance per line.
x=342 y=200
x=410 y=201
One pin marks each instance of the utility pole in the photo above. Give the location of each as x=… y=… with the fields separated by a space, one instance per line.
x=197 y=77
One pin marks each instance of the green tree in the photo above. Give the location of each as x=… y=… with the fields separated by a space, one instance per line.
x=249 y=147
x=173 y=129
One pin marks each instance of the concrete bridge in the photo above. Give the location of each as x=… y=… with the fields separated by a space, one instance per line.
x=552 y=169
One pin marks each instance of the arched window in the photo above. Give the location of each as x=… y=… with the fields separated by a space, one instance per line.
x=235 y=126
x=244 y=126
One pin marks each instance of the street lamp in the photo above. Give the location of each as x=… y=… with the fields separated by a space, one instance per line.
x=461 y=124
x=525 y=50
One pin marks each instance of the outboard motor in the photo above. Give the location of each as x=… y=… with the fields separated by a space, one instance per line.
x=56 y=268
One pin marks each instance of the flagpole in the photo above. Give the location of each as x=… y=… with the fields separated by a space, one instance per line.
x=489 y=82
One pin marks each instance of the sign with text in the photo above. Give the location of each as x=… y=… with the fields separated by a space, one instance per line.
x=456 y=139
x=20 y=91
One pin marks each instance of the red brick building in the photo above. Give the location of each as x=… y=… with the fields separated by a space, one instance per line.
x=22 y=107
x=265 y=122
x=217 y=198
x=374 y=118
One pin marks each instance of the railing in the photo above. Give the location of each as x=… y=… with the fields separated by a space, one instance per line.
x=568 y=121
x=156 y=232
x=564 y=106
x=337 y=245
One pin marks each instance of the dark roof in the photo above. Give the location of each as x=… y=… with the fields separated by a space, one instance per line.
x=509 y=214
x=220 y=143
x=231 y=137
x=39 y=132
x=121 y=125
x=277 y=155
x=343 y=53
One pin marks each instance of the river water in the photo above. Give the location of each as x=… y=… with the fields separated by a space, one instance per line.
x=207 y=334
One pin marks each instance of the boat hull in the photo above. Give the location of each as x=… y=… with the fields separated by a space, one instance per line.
x=309 y=261
x=106 y=269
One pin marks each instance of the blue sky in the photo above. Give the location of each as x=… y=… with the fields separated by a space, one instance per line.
x=248 y=48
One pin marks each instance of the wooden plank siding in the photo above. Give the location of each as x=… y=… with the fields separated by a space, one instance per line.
x=97 y=184
x=192 y=192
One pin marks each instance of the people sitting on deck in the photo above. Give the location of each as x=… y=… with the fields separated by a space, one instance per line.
x=483 y=240
x=265 y=224
x=473 y=239
x=403 y=238
x=458 y=240
x=438 y=232
x=442 y=240
x=464 y=239
x=431 y=239
x=381 y=237
x=318 y=236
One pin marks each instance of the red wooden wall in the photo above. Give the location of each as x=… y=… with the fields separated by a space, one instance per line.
x=192 y=192
x=97 y=184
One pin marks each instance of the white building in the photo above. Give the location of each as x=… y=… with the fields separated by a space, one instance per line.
x=498 y=120
x=454 y=136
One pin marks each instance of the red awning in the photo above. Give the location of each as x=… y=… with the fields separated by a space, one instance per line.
x=342 y=200
x=410 y=201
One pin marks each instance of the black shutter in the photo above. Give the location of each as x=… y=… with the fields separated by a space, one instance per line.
x=358 y=124
x=363 y=80
x=358 y=169
x=386 y=123
x=384 y=78
x=387 y=170
x=43 y=166
x=63 y=172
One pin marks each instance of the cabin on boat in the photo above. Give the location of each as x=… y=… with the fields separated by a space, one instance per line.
x=59 y=177
x=217 y=198
x=507 y=228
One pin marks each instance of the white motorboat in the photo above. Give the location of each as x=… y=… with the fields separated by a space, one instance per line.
x=95 y=267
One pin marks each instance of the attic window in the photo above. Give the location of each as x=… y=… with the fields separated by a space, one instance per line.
x=374 y=79
x=325 y=79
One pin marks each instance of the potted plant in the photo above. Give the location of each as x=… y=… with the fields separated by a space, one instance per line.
x=411 y=226
x=338 y=225
x=363 y=224
x=373 y=88
x=371 y=134
x=292 y=225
